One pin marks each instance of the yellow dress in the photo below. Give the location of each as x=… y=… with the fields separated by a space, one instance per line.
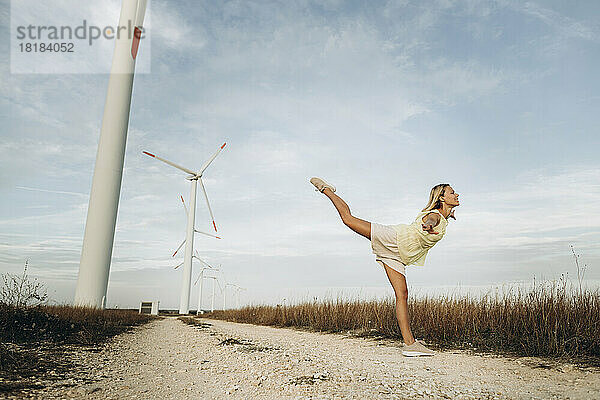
x=414 y=242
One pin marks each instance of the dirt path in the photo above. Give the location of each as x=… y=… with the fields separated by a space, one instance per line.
x=168 y=359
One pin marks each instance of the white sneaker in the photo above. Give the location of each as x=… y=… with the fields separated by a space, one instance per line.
x=416 y=349
x=321 y=185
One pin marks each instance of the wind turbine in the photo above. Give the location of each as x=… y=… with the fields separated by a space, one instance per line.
x=225 y=294
x=215 y=281
x=201 y=280
x=236 y=294
x=194 y=177
x=197 y=257
x=96 y=252
x=237 y=299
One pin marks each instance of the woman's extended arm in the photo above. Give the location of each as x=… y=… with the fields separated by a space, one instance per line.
x=429 y=221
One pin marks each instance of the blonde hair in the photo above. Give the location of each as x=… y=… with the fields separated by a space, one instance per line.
x=434 y=197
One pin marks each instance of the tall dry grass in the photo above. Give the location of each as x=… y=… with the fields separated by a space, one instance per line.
x=35 y=341
x=25 y=317
x=549 y=320
x=64 y=324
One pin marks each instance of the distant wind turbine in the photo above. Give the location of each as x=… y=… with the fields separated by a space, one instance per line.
x=194 y=177
x=201 y=280
x=236 y=294
x=215 y=280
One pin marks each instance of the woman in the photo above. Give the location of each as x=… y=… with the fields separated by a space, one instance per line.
x=396 y=246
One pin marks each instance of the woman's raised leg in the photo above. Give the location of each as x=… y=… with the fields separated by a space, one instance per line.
x=358 y=225
x=398 y=282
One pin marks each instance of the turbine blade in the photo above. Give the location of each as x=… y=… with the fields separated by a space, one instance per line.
x=178 y=248
x=184 y=206
x=202 y=261
x=189 y=171
x=197 y=279
x=208 y=204
x=179 y=265
x=207 y=234
x=210 y=160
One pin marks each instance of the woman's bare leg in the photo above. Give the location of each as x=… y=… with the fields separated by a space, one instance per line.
x=358 y=225
x=398 y=282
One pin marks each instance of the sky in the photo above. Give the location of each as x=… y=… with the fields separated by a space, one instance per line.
x=383 y=99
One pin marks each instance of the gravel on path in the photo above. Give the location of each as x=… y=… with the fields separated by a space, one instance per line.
x=167 y=359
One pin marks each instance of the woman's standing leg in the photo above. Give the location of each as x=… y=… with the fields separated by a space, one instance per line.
x=398 y=282
x=358 y=225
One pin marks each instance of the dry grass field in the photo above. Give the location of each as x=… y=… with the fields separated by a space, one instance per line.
x=38 y=343
x=554 y=319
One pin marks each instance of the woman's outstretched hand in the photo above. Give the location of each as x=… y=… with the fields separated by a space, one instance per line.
x=427 y=227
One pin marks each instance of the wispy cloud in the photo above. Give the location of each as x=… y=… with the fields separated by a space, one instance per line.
x=562 y=24
x=52 y=191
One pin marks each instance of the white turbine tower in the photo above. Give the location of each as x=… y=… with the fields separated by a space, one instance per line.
x=201 y=280
x=98 y=238
x=215 y=282
x=194 y=177
x=225 y=293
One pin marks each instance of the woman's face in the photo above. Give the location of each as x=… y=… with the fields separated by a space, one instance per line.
x=450 y=197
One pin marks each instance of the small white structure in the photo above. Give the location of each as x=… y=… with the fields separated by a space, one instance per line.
x=149 y=307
